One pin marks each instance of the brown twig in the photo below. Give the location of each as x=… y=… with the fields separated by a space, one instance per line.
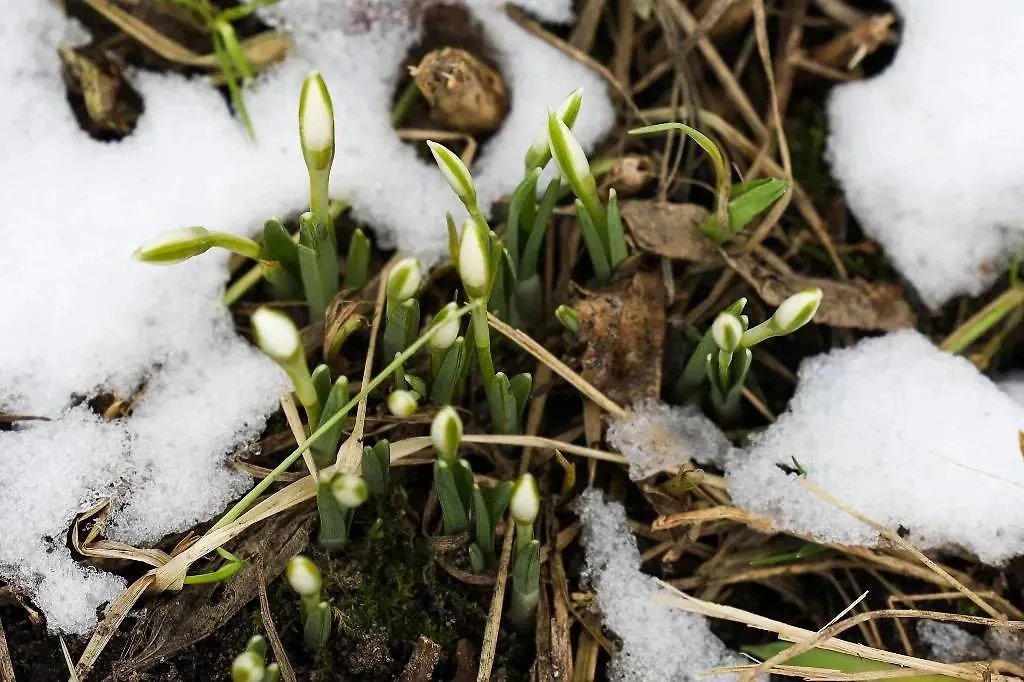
x=280 y=654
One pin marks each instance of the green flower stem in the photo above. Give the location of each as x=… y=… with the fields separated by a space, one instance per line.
x=482 y=340
x=319 y=200
x=241 y=286
x=242 y=505
x=756 y=335
x=524 y=536
x=243 y=246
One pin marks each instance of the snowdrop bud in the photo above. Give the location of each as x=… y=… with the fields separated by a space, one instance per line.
x=446 y=432
x=455 y=173
x=796 y=311
x=404 y=280
x=727 y=330
x=447 y=328
x=539 y=152
x=525 y=502
x=248 y=667
x=303 y=576
x=277 y=336
x=175 y=246
x=569 y=157
x=316 y=123
x=402 y=403
x=474 y=258
x=349 y=490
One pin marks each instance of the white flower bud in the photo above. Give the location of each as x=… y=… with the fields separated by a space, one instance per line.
x=276 y=335
x=474 y=258
x=446 y=432
x=248 y=667
x=316 y=123
x=402 y=403
x=727 y=330
x=447 y=328
x=539 y=152
x=569 y=157
x=525 y=503
x=303 y=576
x=404 y=280
x=455 y=173
x=349 y=490
x=796 y=311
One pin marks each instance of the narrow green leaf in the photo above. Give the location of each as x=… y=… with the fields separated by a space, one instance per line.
x=464 y=483
x=702 y=140
x=749 y=199
x=453 y=238
x=442 y=391
x=504 y=411
x=357 y=262
x=521 y=386
x=617 y=251
x=279 y=246
x=316 y=631
x=477 y=560
x=312 y=282
x=377 y=467
x=595 y=248
x=525 y=193
x=834 y=660
x=453 y=512
x=333 y=519
x=321 y=376
x=325 y=449
x=528 y=264
x=497 y=499
x=483 y=528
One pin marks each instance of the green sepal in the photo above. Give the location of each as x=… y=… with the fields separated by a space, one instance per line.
x=453 y=512
x=334 y=520
x=377 y=467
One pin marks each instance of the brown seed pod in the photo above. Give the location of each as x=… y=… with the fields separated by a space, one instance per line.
x=464 y=93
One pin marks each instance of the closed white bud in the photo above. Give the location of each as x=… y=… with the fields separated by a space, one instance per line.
x=796 y=311
x=175 y=246
x=404 y=280
x=525 y=503
x=446 y=432
x=455 y=173
x=349 y=490
x=569 y=157
x=316 y=123
x=474 y=258
x=277 y=336
x=727 y=330
x=248 y=667
x=303 y=576
x=446 y=330
x=539 y=152
x=402 y=403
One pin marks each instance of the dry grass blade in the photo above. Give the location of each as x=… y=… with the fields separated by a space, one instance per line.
x=791 y=633
x=291 y=415
x=112 y=620
x=280 y=655
x=489 y=645
x=6 y=667
x=538 y=351
x=722 y=512
x=895 y=538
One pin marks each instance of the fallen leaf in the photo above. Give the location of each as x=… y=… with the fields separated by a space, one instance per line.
x=97 y=80
x=623 y=327
x=670 y=230
x=857 y=304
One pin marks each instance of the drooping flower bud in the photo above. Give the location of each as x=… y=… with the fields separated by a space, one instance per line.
x=316 y=123
x=727 y=330
x=455 y=173
x=446 y=433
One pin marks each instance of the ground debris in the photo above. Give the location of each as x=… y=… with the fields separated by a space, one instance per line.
x=623 y=327
x=670 y=230
x=464 y=93
x=420 y=667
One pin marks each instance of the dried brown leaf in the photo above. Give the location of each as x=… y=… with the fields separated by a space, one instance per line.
x=623 y=327
x=670 y=230
x=856 y=304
